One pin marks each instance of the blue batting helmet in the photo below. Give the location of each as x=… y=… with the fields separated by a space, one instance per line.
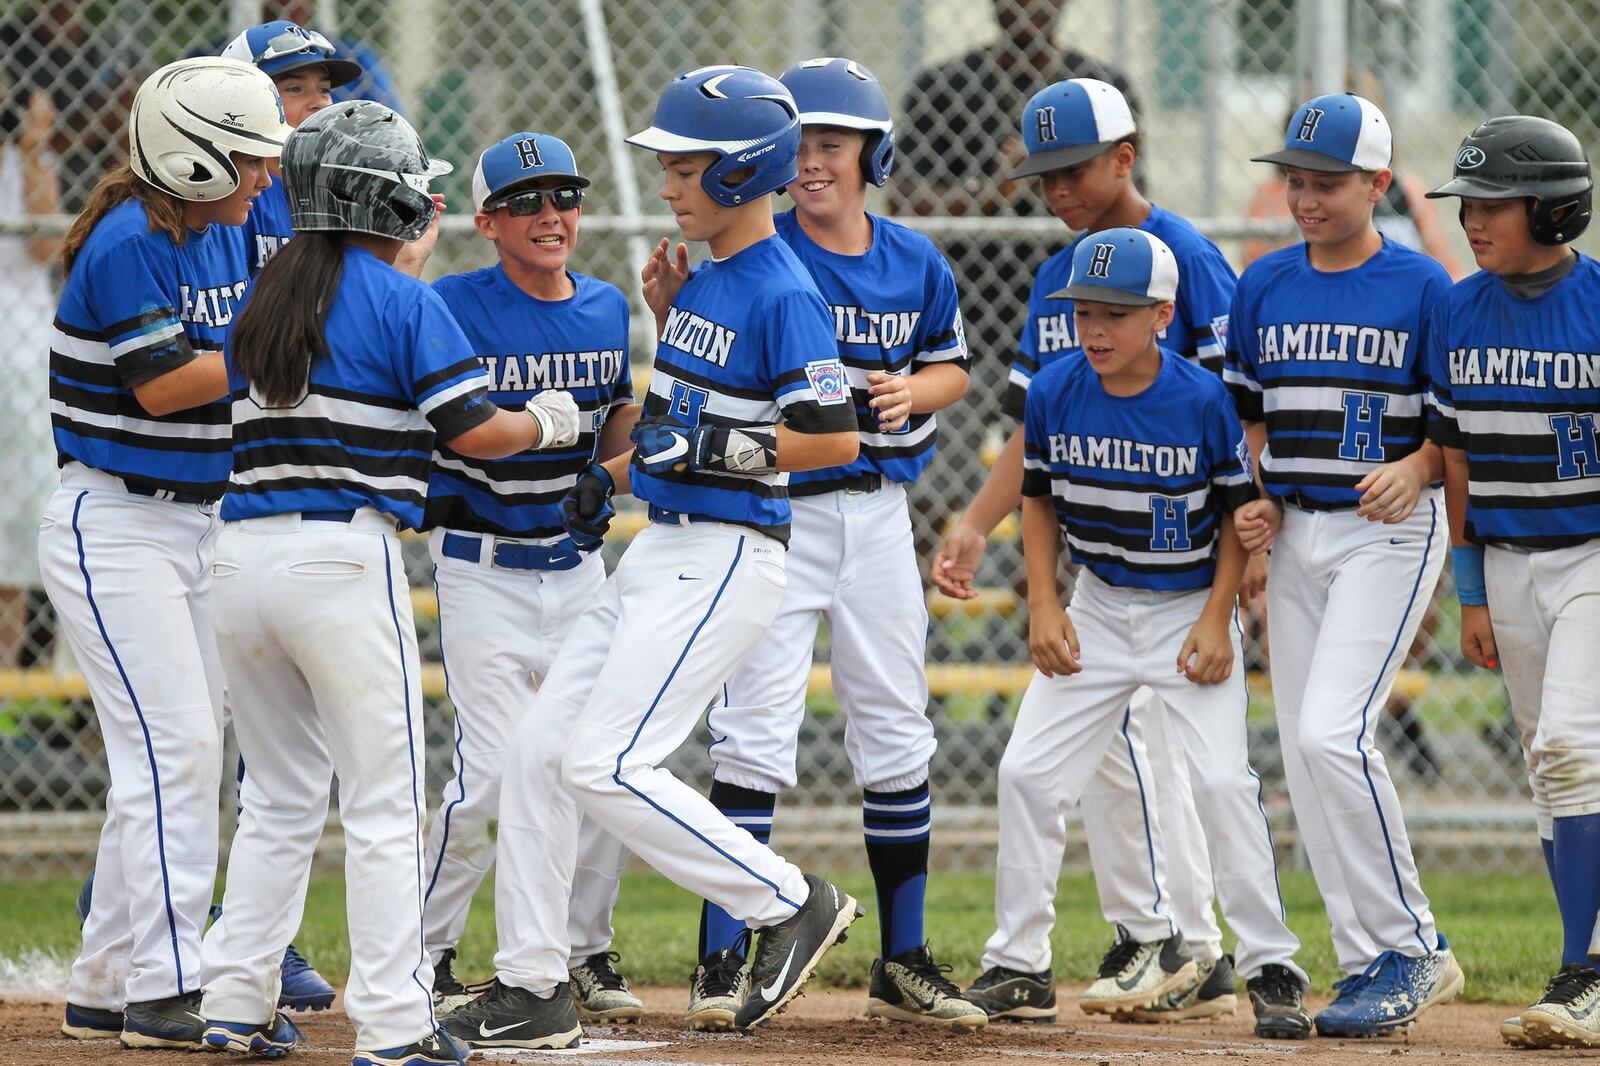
x=745 y=118
x=843 y=93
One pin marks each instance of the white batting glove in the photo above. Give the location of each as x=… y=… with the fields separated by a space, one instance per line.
x=558 y=416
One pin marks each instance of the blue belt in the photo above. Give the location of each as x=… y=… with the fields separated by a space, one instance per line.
x=509 y=556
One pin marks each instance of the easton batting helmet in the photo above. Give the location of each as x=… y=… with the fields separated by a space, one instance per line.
x=190 y=115
x=745 y=118
x=1520 y=156
x=357 y=167
x=845 y=94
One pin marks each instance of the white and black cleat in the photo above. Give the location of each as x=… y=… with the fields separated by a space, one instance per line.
x=788 y=952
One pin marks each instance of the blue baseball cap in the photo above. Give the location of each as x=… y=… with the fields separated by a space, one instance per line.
x=1335 y=134
x=1070 y=122
x=281 y=46
x=520 y=159
x=1122 y=266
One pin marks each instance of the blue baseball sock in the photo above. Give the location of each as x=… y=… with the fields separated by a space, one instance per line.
x=1577 y=855
x=897 y=826
x=750 y=810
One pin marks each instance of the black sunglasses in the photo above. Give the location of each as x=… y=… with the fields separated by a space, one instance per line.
x=566 y=198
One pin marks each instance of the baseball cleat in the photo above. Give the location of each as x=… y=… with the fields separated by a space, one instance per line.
x=302 y=987
x=786 y=953
x=1512 y=1033
x=1398 y=989
x=602 y=993
x=1568 y=1014
x=269 y=1040
x=1008 y=995
x=449 y=994
x=1137 y=974
x=717 y=988
x=1212 y=997
x=911 y=987
x=1275 y=996
x=507 y=1016
x=91 y=1023
x=174 y=1022
x=435 y=1050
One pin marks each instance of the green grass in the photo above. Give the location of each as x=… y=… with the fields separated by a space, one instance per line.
x=1504 y=928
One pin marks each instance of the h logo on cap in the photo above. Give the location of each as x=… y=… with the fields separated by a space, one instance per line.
x=1308 y=124
x=1045 y=123
x=1100 y=263
x=528 y=154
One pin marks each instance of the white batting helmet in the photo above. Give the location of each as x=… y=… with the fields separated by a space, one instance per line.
x=190 y=114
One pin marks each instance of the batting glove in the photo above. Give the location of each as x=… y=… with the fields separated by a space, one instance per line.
x=558 y=416
x=660 y=442
x=586 y=510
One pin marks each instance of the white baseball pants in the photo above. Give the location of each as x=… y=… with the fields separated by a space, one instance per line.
x=1344 y=599
x=498 y=630
x=641 y=665
x=130 y=578
x=314 y=619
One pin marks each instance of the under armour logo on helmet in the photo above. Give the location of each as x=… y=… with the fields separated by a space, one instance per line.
x=528 y=154
x=1469 y=157
x=1045 y=123
x=1308 y=123
x=1100 y=263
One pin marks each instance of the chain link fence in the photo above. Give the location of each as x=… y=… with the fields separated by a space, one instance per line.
x=1212 y=82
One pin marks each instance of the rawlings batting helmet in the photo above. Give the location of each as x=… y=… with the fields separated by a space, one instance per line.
x=357 y=167
x=745 y=118
x=845 y=94
x=281 y=46
x=190 y=115
x=1520 y=156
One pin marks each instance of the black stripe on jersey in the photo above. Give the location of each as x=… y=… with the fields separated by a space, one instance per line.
x=1131 y=529
x=90 y=373
x=880 y=451
x=1037 y=482
x=129 y=439
x=689 y=376
x=459 y=368
x=1539 y=502
x=1080 y=477
x=251 y=430
x=78 y=331
x=449 y=511
x=415 y=498
x=808 y=416
x=938 y=341
x=514 y=499
x=142 y=320
x=388 y=403
x=1111 y=559
x=302 y=454
x=126 y=405
x=1015 y=402
x=143 y=365
x=1332 y=422
x=868 y=362
x=1543 y=405
x=455 y=417
x=1527 y=446
x=1248 y=402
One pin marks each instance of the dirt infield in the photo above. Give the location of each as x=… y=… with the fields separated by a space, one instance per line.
x=827 y=1028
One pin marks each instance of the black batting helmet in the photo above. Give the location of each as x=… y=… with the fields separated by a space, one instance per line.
x=1520 y=156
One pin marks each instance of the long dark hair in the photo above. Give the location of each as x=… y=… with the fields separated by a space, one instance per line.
x=279 y=333
x=119 y=186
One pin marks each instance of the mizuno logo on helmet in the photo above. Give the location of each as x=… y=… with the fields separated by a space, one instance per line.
x=745 y=157
x=230 y=117
x=1469 y=157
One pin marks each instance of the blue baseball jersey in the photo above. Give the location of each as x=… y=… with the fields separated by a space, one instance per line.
x=399 y=371
x=1332 y=362
x=1515 y=384
x=1199 y=323
x=894 y=309
x=1140 y=483
x=528 y=346
x=748 y=341
x=267 y=228
x=136 y=306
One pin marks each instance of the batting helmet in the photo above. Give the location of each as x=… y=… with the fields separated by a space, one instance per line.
x=358 y=167
x=281 y=46
x=843 y=93
x=190 y=115
x=745 y=118
x=1520 y=156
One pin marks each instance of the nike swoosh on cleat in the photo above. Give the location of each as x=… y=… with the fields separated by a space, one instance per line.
x=769 y=992
x=485 y=1032
x=1133 y=982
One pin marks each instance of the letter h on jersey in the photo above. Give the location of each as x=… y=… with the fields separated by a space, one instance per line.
x=1169 y=524
x=1363 y=427
x=1576 y=455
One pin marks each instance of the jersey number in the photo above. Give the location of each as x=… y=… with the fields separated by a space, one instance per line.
x=1363 y=427
x=1169 y=524
x=1576 y=455
x=686 y=402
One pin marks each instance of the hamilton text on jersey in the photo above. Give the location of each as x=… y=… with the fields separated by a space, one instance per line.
x=699 y=337
x=1333 y=342
x=1525 y=367
x=1118 y=453
x=553 y=370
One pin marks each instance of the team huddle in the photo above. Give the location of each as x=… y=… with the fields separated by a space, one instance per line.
x=253 y=393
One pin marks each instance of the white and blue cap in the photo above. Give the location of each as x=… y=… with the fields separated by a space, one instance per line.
x=281 y=46
x=1122 y=266
x=1070 y=122
x=1336 y=134
x=518 y=161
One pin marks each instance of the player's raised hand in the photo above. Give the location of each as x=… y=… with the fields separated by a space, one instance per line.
x=1254 y=582
x=414 y=256
x=1257 y=524
x=663 y=275
x=1207 y=654
x=891 y=399
x=1477 y=636
x=1389 y=492
x=955 y=564
x=1053 y=641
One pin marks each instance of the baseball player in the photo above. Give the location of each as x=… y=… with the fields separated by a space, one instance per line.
x=1513 y=399
x=1136 y=457
x=342 y=371
x=898 y=332
x=510 y=582
x=155 y=269
x=747 y=384
x=1324 y=362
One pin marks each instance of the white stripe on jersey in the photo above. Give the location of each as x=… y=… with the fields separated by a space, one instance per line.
x=341 y=410
x=1353 y=469
x=148 y=339
x=1116 y=552
x=144 y=427
x=751 y=412
x=1531 y=490
x=461 y=388
x=910 y=440
x=1325 y=398
x=504 y=485
x=1129 y=502
x=257 y=475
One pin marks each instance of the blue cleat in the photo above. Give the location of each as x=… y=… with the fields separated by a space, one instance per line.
x=91 y=1023
x=1392 y=993
x=435 y=1050
x=270 y=1040
x=303 y=988
x=85 y=895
